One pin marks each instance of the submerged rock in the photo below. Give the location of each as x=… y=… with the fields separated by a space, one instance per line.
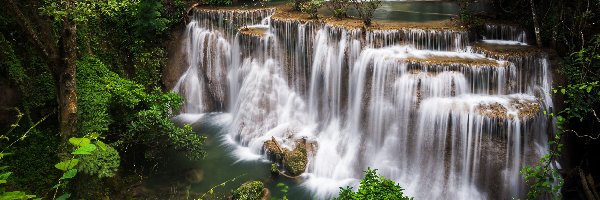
x=194 y=176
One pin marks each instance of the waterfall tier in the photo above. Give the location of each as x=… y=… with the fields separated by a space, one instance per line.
x=444 y=117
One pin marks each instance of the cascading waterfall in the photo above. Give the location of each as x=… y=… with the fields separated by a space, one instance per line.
x=442 y=119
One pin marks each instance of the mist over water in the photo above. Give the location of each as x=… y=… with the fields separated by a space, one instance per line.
x=422 y=107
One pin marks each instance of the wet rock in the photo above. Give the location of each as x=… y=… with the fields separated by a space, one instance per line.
x=493 y=110
x=253 y=31
x=266 y=194
x=525 y=110
x=294 y=161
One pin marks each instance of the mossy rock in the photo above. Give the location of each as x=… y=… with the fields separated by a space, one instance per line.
x=251 y=190
x=295 y=161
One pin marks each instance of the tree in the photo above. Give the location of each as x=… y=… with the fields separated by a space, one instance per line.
x=60 y=51
x=338 y=7
x=365 y=9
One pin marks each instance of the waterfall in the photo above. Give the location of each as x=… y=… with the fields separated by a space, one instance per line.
x=442 y=118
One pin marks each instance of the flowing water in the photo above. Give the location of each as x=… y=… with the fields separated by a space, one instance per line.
x=421 y=106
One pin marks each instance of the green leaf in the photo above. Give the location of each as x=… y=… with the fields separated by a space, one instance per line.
x=65 y=196
x=563 y=91
x=87 y=149
x=67 y=164
x=79 y=141
x=69 y=174
x=101 y=145
x=94 y=135
x=5 y=175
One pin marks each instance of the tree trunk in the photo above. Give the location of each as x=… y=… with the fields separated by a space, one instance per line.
x=67 y=82
x=536 y=25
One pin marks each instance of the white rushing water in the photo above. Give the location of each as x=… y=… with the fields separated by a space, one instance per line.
x=442 y=121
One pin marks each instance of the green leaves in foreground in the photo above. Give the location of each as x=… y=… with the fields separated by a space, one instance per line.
x=86 y=149
x=67 y=164
x=373 y=186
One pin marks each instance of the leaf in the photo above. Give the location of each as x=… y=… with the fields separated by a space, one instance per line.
x=5 y=175
x=87 y=149
x=79 y=141
x=563 y=91
x=101 y=145
x=94 y=135
x=67 y=164
x=69 y=174
x=65 y=196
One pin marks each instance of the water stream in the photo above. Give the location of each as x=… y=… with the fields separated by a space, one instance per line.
x=422 y=106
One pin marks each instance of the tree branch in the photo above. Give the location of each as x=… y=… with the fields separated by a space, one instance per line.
x=48 y=52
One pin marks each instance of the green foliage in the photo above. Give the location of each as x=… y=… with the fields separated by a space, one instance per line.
x=465 y=14
x=149 y=19
x=373 y=186
x=543 y=178
x=143 y=118
x=223 y=184
x=365 y=9
x=338 y=8
x=581 y=96
x=312 y=8
x=11 y=62
x=148 y=65
x=251 y=190
x=4 y=173
x=84 y=10
x=284 y=190
x=103 y=162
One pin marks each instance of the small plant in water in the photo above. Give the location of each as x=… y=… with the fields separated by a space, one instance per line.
x=284 y=190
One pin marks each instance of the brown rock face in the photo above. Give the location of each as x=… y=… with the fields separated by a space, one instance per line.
x=176 y=64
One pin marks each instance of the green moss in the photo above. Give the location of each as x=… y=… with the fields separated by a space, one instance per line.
x=251 y=190
x=295 y=161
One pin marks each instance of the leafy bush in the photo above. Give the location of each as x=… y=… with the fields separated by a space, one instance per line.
x=312 y=8
x=102 y=163
x=338 y=7
x=147 y=66
x=251 y=190
x=374 y=187
x=134 y=116
x=149 y=19
x=365 y=9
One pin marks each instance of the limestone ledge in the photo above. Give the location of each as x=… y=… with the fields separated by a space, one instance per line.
x=288 y=14
x=440 y=60
x=253 y=31
x=506 y=50
x=525 y=110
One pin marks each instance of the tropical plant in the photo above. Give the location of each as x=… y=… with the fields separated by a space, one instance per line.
x=373 y=186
